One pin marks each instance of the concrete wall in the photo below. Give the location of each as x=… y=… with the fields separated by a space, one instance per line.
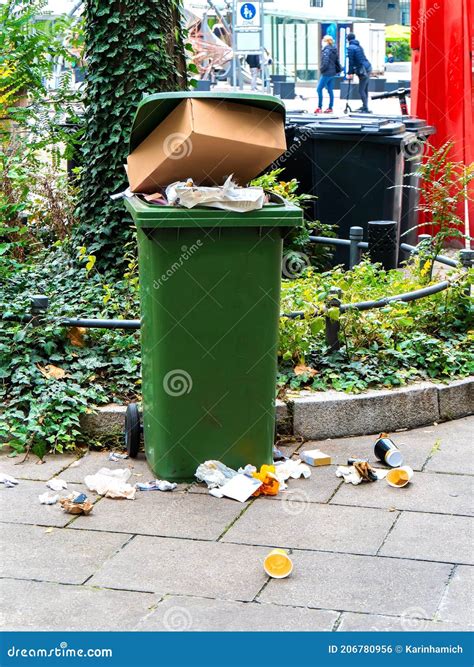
x=378 y=11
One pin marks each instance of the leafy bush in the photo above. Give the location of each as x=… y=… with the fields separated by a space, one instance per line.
x=400 y=50
x=390 y=346
x=49 y=374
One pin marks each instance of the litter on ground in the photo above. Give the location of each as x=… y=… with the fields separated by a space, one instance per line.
x=48 y=498
x=56 y=484
x=8 y=480
x=156 y=485
x=116 y=456
x=111 y=483
x=71 y=505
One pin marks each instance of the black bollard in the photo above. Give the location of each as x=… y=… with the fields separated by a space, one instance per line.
x=383 y=242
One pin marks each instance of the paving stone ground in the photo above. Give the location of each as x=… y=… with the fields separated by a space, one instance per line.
x=366 y=557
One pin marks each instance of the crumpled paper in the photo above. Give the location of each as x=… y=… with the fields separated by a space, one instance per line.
x=214 y=473
x=228 y=197
x=111 y=483
x=116 y=456
x=8 y=480
x=56 y=484
x=293 y=468
x=156 y=485
x=48 y=498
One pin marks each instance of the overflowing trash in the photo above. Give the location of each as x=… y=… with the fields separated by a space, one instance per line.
x=48 y=498
x=278 y=564
x=228 y=197
x=111 y=483
x=116 y=456
x=315 y=457
x=156 y=485
x=56 y=484
x=8 y=480
x=76 y=504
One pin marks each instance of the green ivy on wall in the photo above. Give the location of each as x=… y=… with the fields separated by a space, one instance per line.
x=132 y=48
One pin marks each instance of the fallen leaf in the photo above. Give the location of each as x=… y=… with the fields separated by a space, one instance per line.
x=302 y=370
x=76 y=336
x=51 y=371
x=49 y=530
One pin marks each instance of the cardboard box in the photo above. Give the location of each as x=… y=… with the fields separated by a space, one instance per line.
x=315 y=457
x=207 y=140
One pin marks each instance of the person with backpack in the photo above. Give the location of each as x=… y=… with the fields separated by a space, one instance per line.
x=330 y=66
x=358 y=64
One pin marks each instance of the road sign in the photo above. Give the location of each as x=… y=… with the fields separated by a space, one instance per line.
x=248 y=15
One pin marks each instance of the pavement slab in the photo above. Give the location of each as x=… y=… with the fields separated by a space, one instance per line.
x=58 y=555
x=21 y=505
x=431 y=537
x=53 y=607
x=296 y=522
x=410 y=622
x=170 y=514
x=359 y=583
x=456 y=605
x=185 y=567
x=318 y=488
x=455 y=450
x=32 y=468
x=427 y=492
x=200 y=614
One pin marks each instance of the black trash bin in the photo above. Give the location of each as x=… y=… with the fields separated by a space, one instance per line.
x=413 y=152
x=354 y=166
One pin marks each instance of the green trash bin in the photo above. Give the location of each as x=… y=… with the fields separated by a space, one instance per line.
x=210 y=304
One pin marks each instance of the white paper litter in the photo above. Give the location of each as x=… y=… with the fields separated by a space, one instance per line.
x=111 y=483
x=48 y=498
x=248 y=470
x=291 y=468
x=56 y=484
x=8 y=480
x=240 y=488
x=214 y=473
x=228 y=197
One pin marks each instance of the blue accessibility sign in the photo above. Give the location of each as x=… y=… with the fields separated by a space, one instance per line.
x=248 y=11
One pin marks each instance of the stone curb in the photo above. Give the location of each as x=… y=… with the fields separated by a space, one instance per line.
x=334 y=414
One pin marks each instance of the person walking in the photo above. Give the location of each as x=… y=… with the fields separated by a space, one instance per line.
x=330 y=66
x=358 y=64
x=253 y=61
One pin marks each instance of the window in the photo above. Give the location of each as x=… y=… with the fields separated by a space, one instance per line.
x=405 y=12
x=391 y=5
x=317 y=3
x=357 y=8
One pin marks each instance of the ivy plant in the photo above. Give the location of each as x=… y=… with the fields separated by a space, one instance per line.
x=132 y=48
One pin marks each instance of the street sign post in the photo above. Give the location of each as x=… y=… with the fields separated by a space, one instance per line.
x=247 y=37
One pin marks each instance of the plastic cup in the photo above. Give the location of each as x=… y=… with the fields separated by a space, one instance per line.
x=278 y=564
x=399 y=477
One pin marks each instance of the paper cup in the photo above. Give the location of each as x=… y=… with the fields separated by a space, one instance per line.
x=278 y=564
x=387 y=452
x=399 y=477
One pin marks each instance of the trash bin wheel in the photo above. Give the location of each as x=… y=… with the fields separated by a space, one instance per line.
x=132 y=430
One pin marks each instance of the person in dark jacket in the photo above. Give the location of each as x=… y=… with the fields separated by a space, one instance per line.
x=330 y=66
x=358 y=64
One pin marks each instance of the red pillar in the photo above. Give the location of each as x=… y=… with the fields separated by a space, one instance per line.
x=441 y=87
